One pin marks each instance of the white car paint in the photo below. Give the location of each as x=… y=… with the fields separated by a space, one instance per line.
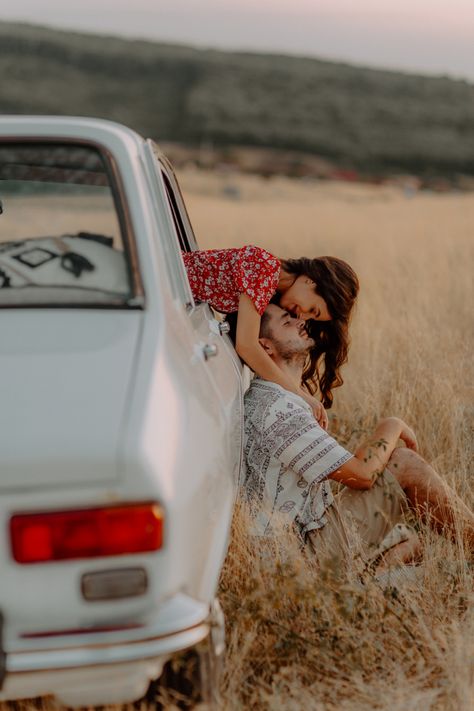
x=112 y=405
x=51 y=373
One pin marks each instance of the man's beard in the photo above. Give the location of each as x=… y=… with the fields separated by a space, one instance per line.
x=294 y=352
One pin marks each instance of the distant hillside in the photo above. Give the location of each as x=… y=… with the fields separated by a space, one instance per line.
x=369 y=120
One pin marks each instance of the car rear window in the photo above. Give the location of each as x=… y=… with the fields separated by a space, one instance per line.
x=60 y=236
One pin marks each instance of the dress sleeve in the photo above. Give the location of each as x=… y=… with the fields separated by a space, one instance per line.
x=257 y=275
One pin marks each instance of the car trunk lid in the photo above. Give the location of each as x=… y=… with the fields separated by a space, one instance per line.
x=65 y=382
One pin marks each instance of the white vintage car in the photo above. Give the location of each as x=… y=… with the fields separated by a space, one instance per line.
x=120 y=418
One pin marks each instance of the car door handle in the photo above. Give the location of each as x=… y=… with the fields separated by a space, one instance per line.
x=209 y=350
x=219 y=327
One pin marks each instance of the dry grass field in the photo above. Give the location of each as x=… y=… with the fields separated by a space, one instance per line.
x=297 y=638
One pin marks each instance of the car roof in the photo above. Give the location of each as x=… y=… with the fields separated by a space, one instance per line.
x=110 y=134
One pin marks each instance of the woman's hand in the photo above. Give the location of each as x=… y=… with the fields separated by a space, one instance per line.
x=320 y=414
x=409 y=437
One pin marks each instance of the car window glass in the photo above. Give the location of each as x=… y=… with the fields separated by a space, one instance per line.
x=177 y=218
x=184 y=227
x=60 y=236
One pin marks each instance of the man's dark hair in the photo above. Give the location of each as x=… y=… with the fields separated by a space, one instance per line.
x=265 y=330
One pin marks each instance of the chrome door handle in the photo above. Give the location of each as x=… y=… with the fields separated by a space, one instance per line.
x=209 y=350
x=224 y=327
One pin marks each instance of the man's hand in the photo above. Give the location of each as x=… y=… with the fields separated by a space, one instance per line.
x=408 y=436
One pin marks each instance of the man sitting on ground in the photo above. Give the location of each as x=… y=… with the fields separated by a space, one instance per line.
x=290 y=459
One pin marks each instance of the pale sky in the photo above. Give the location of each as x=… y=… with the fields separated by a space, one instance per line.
x=424 y=36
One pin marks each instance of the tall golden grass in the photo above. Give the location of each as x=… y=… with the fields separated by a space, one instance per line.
x=298 y=638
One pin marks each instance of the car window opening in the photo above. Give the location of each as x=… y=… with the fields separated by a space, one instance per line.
x=60 y=235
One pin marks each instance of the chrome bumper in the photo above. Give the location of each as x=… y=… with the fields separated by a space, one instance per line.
x=91 y=656
x=181 y=622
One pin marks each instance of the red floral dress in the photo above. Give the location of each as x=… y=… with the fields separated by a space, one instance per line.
x=219 y=276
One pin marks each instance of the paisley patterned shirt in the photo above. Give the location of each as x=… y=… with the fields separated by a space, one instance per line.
x=288 y=458
x=219 y=276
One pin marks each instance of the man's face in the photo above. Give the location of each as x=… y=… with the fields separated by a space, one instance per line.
x=287 y=334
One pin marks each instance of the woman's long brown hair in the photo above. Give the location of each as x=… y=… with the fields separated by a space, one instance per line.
x=338 y=285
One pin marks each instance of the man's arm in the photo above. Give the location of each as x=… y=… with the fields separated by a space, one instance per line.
x=371 y=458
x=291 y=435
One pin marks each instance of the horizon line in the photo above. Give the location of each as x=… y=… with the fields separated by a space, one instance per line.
x=202 y=46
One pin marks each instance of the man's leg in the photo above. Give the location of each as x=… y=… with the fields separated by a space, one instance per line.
x=358 y=521
x=429 y=496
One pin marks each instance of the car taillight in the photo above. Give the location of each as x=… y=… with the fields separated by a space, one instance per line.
x=88 y=533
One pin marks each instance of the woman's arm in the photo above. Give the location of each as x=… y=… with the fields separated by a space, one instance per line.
x=371 y=458
x=249 y=349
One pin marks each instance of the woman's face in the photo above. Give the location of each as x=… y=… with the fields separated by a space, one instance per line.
x=302 y=301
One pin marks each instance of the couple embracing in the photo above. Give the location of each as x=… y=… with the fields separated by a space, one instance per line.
x=292 y=331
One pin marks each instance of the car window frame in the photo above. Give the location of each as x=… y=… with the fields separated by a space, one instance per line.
x=136 y=299
x=178 y=222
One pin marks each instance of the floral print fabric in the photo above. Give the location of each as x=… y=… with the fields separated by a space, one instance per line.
x=219 y=276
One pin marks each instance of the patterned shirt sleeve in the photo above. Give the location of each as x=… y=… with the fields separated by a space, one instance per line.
x=258 y=275
x=303 y=447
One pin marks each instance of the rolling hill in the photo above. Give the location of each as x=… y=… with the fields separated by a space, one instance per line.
x=372 y=121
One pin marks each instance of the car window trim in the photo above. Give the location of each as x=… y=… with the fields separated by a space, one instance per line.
x=180 y=283
x=137 y=292
x=168 y=170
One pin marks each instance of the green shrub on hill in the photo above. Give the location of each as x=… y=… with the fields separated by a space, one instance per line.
x=370 y=120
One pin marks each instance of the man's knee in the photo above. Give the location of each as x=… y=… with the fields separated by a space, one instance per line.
x=404 y=462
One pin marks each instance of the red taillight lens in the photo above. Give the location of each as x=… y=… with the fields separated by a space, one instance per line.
x=64 y=535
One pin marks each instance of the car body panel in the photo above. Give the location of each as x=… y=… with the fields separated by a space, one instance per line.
x=103 y=406
x=52 y=369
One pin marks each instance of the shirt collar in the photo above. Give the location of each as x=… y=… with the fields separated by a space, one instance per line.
x=260 y=382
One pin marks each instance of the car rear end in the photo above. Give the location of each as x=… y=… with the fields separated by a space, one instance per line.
x=105 y=557
x=86 y=616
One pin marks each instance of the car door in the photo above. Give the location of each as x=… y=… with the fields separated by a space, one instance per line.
x=221 y=360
